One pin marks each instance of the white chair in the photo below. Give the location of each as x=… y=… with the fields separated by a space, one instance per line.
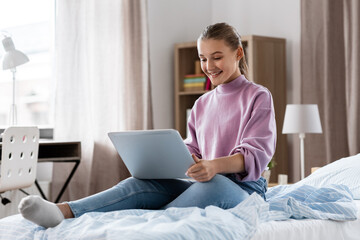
x=20 y=147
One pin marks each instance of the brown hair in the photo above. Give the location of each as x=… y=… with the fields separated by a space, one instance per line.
x=223 y=31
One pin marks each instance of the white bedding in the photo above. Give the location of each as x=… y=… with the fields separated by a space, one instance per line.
x=310 y=229
x=240 y=222
x=173 y=223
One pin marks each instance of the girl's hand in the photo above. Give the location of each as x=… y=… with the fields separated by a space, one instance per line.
x=202 y=170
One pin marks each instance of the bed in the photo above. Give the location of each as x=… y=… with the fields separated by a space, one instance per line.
x=308 y=229
x=325 y=205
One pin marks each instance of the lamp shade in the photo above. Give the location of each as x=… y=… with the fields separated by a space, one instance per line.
x=12 y=57
x=302 y=118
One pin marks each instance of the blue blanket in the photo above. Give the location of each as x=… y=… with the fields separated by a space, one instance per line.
x=283 y=202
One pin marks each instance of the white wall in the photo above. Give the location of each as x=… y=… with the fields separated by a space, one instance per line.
x=183 y=20
x=171 y=22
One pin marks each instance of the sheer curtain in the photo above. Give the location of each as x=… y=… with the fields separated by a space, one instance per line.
x=103 y=85
x=330 y=60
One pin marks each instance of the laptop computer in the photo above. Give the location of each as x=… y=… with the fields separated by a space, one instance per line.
x=153 y=154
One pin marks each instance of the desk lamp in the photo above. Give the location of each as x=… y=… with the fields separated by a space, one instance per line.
x=11 y=59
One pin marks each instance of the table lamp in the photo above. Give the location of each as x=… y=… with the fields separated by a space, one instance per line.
x=11 y=59
x=301 y=119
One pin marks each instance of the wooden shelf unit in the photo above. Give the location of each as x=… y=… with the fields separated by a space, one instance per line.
x=266 y=58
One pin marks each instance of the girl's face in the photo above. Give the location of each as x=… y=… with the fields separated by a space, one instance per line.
x=218 y=61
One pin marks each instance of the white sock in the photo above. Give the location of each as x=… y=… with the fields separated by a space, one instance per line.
x=40 y=211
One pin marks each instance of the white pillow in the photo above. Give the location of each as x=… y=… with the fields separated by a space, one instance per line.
x=344 y=171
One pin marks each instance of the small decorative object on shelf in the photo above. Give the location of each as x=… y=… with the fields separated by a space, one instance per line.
x=282 y=179
x=208 y=85
x=267 y=172
x=313 y=169
x=272 y=163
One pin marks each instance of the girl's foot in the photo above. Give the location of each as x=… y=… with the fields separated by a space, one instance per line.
x=40 y=211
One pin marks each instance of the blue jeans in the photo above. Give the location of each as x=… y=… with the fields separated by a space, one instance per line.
x=132 y=193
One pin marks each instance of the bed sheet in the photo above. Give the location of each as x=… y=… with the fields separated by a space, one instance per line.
x=310 y=229
x=240 y=222
x=173 y=223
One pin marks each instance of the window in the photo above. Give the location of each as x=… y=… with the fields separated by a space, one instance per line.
x=30 y=23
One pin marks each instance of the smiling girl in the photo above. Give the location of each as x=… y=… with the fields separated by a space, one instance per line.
x=232 y=139
x=233 y=126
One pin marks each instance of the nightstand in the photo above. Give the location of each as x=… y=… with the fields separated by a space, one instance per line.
x=272 y=184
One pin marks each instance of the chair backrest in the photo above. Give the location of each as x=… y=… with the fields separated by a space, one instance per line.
x=20 y=147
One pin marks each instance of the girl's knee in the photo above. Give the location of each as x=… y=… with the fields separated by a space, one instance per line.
x=220 y=180
x=221 y=186
x=132 y=182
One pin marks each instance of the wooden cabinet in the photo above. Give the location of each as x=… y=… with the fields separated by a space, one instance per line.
x=267 y=66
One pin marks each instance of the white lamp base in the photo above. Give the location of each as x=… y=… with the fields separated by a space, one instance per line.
x=13 y=115
x=302 y=155
x=13 y=110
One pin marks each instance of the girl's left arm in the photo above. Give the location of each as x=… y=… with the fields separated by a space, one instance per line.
x=205 y=170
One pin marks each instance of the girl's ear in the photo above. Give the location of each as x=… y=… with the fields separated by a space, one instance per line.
x=240 y=53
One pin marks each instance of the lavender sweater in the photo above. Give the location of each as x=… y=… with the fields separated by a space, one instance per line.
x=236 y=117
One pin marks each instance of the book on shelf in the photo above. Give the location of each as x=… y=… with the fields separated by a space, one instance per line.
x=198 y=75
x=194 y=82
